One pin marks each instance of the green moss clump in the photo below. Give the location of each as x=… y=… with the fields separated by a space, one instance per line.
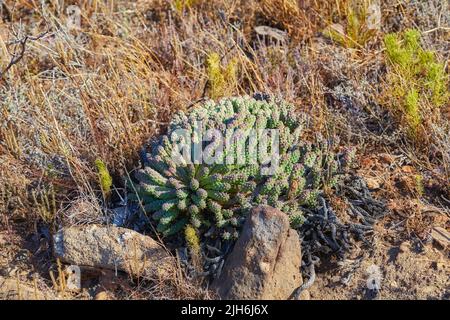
x=181 y=5
x=105 y=178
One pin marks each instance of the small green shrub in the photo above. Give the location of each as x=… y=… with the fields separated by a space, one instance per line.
x=357 y=31
x=45 y=203
x=420 y=189
x=105 y=178
x=180 y=5
x=218 y=195
x=192 y=240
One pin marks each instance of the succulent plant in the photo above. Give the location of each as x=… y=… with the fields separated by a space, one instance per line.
x=216 y=196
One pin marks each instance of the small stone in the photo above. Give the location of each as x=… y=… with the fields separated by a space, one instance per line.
x=441 y=236
x=266 y=259
x=304 y=295
x=73 y=281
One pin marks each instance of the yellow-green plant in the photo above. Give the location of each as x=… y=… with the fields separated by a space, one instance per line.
x=104 y=177
x=417 y=81
x=222 y=79
x=358 y=30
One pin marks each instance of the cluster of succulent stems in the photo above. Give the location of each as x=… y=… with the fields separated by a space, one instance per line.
x=214 y=198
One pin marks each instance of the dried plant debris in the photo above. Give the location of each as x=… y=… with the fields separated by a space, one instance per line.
x=325 y=235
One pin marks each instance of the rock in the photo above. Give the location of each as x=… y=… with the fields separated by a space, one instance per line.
x=112 y=248
x=441 y=236
x=121 y=215
x=266 y=259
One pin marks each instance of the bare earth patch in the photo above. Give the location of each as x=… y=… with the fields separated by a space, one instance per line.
x=84 y=84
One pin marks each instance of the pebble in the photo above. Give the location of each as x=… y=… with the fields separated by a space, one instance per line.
x=372 y=183
x=305 y=295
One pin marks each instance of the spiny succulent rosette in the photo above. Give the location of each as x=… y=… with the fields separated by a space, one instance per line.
x=214 y=198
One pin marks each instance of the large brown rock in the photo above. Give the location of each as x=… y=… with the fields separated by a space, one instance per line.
x=266 y=259
x=114 y=248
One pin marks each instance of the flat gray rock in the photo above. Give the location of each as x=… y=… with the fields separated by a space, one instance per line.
x=114 y=248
